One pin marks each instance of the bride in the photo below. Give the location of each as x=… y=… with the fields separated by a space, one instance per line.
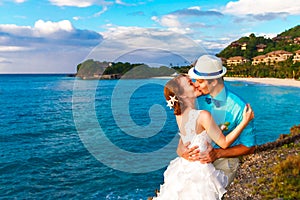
x=187 y=180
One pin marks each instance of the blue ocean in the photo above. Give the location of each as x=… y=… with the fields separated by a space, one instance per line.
x=65 y=138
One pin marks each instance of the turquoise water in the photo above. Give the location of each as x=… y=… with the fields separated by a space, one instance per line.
x=63 y=138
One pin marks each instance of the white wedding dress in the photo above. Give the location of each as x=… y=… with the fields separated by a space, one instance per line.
x=185 y=180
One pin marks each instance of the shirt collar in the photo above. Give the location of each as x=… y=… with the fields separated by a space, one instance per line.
x=222 y=95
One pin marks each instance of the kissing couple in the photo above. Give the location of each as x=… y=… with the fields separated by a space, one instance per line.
x=215 y=129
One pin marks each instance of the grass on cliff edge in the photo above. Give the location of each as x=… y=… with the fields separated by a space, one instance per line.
x=285 y=181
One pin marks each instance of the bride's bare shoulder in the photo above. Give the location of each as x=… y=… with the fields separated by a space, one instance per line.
x=203 y=120
x=204 y=114
x=204 y=117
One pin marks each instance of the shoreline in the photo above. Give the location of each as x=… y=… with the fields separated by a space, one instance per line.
x=267 y=81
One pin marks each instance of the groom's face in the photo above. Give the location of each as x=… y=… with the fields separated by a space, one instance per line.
x=197 y=92
x=203 y=86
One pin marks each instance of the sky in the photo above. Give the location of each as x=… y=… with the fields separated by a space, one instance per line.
x=54 y=36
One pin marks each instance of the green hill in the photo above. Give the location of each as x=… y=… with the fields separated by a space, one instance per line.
x=91 y=69
x=283 y=41
x=293 y=32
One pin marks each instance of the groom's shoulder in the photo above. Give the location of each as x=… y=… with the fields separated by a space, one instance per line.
x=233 y=97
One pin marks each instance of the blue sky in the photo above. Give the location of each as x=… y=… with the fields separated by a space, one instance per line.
x=53 y=36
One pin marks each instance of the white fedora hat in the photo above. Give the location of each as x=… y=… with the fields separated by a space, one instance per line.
x=207 y=67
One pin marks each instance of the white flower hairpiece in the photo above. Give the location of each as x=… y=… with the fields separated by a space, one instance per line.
x=171 y=101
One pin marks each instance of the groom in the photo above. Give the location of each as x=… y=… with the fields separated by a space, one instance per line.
x=226 y=109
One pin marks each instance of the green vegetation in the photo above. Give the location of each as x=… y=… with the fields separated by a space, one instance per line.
x=91 y=69
x=286 y=181
x=251 y=51
x=282 y=180
x=293 y=32
x=283 y=41
x=279 y=70
x=143 y=71
x=182 y=69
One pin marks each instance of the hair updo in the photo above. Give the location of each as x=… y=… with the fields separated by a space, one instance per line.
x=173 y=88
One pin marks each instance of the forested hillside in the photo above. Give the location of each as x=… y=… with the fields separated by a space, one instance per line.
x=283 y=41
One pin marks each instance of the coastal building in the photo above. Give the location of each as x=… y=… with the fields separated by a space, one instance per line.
x=261 y=47
x=296 y=57
x=236 y=60
x=286 y=39
x=277 y=56
x=234 y=44
x=297 y=40
x=102 y=76
x=244 y=46
x=258 y=59
x=111 y=76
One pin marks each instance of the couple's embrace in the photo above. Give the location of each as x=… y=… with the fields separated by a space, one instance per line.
x=208 y=156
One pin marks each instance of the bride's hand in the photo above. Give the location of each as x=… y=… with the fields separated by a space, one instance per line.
x=248 y=114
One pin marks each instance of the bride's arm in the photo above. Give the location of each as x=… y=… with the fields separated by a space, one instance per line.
x=214 y=132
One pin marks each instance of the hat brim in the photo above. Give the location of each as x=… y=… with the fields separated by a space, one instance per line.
x=193 y=75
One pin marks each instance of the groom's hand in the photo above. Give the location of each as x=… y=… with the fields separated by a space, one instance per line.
x=190 y=154
x=208 y=156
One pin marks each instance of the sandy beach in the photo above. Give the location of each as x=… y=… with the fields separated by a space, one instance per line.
x=268 y=81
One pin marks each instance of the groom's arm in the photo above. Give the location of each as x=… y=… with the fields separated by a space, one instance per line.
x=213 y=154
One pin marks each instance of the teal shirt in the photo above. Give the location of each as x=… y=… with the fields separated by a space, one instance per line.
x=228 y=107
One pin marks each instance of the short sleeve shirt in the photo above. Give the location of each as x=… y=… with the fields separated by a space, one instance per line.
x=228 y=107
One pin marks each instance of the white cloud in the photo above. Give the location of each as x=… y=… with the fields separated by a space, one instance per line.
x=180 y=30
x=80 y=3
x=75 y=3
x=3 y=60
x=121 y=3
x=104 y=9
x=120 y=41
x=218 y=44
x=261 y=7
x=195 y=8
x=76 y=18
x=19 y=1
x=155 y=18
x=48 y=47
x=266 y=35
x=16 y=30
x=101 y=12
x=41 y=28
x=137 y=2
x=170 y=21
x=46 y=28
x=13 y=48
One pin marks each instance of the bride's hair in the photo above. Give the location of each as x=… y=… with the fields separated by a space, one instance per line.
x=174 y=89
